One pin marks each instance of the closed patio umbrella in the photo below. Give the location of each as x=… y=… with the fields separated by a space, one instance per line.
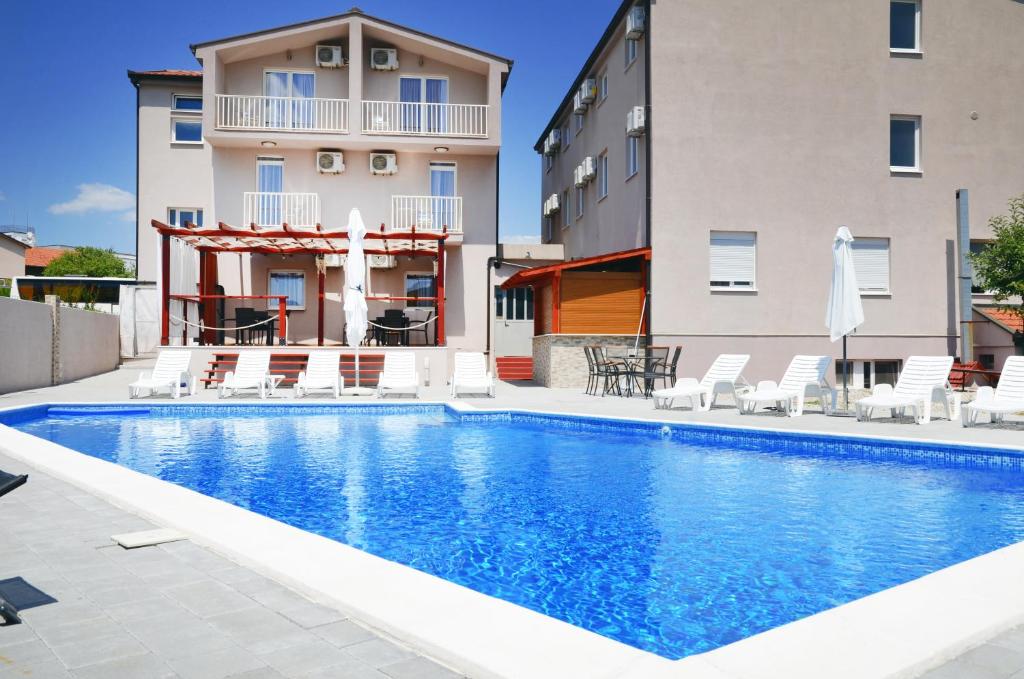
x=845 y=311
x=355 y=296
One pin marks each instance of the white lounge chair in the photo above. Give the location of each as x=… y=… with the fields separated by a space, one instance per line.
x=170 y=372
x=725 y=376
x=399 y=375
x=323 y=372
x=252 y=371
x=924 y=379
x=471 y=374
x=804 y=377
x=1005 y=399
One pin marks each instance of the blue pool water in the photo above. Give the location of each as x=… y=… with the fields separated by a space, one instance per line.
x=674 y=540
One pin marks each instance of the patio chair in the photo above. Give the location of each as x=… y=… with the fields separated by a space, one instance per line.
x=471 y=374
x=607 y=371
x=805 y=377
x=399 y=375
x=245 y=316
x=725 y=376
x=1007 y=398
x=252 y=371
x=323 y=372
x=8 y=482
x=655 y=367
x=422 y=327
x=170 y=372
x=592 y=379
x=924 y=379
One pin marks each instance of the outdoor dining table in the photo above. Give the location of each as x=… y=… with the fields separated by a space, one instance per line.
x=633 y=365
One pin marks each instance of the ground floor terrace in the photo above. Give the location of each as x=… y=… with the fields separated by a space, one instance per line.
x=240 y=611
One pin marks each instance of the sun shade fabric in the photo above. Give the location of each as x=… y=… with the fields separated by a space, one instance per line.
x=733 y=258
x=871 y=262
x=355 y=281
x=844 y=312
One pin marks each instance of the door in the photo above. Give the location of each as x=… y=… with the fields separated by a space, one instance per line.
x=270 y=184
x=513 y=321
x=422 y=107
x=410 y=94
x=437 y=113
x=289 y=103
x=443 y=208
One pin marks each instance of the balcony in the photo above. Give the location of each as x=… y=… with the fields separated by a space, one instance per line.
x=281 y=114
x=426 y=213
x=425 y=120
x=274 y=209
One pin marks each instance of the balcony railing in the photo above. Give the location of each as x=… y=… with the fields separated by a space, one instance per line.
x=439 y=120
x=282 y=114
x=426 y=213
x=274 y=209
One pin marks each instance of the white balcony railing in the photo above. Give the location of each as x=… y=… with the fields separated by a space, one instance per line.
x=274 y=209
x=440 y=120
x=283 y=114
x=426 y=213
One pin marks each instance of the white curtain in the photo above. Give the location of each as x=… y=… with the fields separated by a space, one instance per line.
x=275 y=84
x=302 y=107
x=410 y=93
x=184 y=281
x=437 y=116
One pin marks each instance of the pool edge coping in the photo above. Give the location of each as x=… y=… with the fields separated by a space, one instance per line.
x=945 y=603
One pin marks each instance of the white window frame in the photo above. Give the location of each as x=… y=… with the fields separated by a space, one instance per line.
x=577 y=123
x=405 y=283
x=602 y=86
x=916 y=49
x=186 y=111
x=548 y=235
x=549 y=161
x=566 y=210
x=581 y=201
x=916 y=168
x=272 y=304
x=631 y=48
x=508 y=303
x=739 y=237
x=423 y=78
x=602 y=175
x=175 y=220
x=186 y=119
x=566 y=137
x=863 y=244
x=291 y=79
x=632 y=156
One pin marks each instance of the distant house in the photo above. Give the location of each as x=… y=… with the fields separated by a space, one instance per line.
x=12 y=259
x=37 y=259
x=996 y=332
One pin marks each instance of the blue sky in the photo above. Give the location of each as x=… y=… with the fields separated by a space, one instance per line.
x=67 y=123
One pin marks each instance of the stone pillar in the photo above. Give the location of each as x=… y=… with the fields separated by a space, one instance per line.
x=56 y=366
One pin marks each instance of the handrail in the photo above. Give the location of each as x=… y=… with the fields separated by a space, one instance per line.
x=265 y=208
x=281 y=114
x=425 y=119
x=426 y=213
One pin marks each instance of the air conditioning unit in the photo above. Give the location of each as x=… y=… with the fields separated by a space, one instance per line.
x=635 y=121
x=334 y=261
x=589 y=168
x=553 y=142
x=578 y=105
x=383 y=262
x=588 y=90
x=635 y=23
x=577 y=177
x=330 y=162
x=384 y=59
x=547 y=206
x=555 y=205
x=383 y=163
x=329 y=56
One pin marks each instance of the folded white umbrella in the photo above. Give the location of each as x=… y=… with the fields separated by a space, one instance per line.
x=355 y=296
x=845 y=311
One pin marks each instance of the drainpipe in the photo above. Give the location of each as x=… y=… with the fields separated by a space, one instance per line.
x=647 y=164
x=495 y=261
x=137 y=100
x=963 y=241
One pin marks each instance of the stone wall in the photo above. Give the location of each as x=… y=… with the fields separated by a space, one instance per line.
x=559 y=361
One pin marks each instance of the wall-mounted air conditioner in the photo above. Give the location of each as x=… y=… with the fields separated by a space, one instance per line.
x=383 y=262
x=588 y=90
x=577 y=177
x=555 y=205
x=547 y=206
x=384 y=59
x=578 y=105
x=635 y=23
x=329 y=56
x=553 y=142
x=334 y=261
x=635 y=121
x=330 y=162
x=383 y=163
x=589 y=168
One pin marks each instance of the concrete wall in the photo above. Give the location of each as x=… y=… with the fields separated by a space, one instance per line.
x=89 y=343
x=559 y=361
x=246 y=76
x=12 y=258
x=464 y=87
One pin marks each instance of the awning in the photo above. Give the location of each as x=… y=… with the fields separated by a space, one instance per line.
x=542 y=274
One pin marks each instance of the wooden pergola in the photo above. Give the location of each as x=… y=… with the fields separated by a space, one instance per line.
x=287 y=240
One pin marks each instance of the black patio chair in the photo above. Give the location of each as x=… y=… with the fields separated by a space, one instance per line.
x=607 y=371
x=424 y=328
x=244 y=316
x=664 y=370
x=9 y=482
x=591 y=371
x=655 y=367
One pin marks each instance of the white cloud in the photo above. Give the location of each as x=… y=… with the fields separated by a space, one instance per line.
x=127 y=216
x=3 y=196
x=95 y=198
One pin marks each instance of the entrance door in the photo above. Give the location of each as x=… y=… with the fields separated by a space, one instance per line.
x=270 y=184
x=513 y=321
x=442 y=195
x=421 y=106
x=289 y=99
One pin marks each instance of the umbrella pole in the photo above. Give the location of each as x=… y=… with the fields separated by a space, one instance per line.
x=846 y=389
x=358 y=381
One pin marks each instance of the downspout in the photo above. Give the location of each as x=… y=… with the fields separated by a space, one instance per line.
x=495 y=261
x=137 y=100
x=647 y=165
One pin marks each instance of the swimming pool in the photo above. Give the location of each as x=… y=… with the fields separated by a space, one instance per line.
x=674 y=539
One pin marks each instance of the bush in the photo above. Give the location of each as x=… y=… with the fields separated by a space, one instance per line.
x=88 y=261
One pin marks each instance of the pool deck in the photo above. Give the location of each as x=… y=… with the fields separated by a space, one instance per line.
x=69 y=554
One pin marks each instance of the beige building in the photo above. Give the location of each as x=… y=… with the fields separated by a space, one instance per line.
x=12 y=259
x=733 y=138
x=285 y=131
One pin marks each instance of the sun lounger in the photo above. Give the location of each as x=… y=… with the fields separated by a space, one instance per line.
x=805 y=377
x=924 y=379
x=252 y=371
x=323 y=372
x=471 y=375
x=399 y=375
x=1007 y=398
x=170 y=372
x=724 y=376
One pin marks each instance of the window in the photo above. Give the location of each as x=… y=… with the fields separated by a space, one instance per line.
x=602 y=175
x=577 y=122
x=290 y=283
x=549 y=161
x=186 y=131
x=733 y=255
x=420 y=285
x=988 y=361
x=887 y=372
x=977 y=247
x=514 y=304
x=188 y=102
x=413 y=91
x=178 y=216
x=566 y=139
x=905 y=143
x=547 y=229
x=285 y=107
x=632 y=156
x=630 y=51
x=602 y=86
x=580 y=197
x=871 y=262
x=905 y=26
x=566 y=210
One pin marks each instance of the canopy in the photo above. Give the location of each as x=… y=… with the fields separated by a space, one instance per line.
x=845 y=311
x=355 y=281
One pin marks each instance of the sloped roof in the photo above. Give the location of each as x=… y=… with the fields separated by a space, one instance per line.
x=42 y=256
x=1008 y=320
x=14 y=240
x=539 y=274
x=164 y=74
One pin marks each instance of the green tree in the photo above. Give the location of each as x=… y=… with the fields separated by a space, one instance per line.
x=1000 y=266
x=88 y=261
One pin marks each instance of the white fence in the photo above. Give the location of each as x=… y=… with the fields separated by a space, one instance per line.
x=274 y=209
x=284 y=114
x=421 y=119
x=426 y=213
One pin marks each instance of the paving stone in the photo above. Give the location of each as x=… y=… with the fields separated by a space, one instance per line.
x=309 y=614
x=55 y=635
x=146 y=666
x=48 y=669
x=278 y=597
x=210 y=598
x=1012 y=639
x=216 y=665
x=24 y=654
x=997 y=658
x=130 y=592
x=301 y=659
x=344 y=633
x=63 y=612
x=173 y=635
x=379 y=652
x=99 y=649
x=958 y=669
x=418 y=668
x=262 y=673
x=260 y=630
x=16 y=634
x=356 y=670
x=144 y=609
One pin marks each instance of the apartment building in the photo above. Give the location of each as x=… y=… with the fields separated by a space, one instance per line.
x=248 y=169
x=733 y=138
